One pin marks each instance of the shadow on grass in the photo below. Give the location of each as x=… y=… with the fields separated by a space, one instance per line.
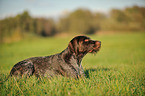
x=87 y=71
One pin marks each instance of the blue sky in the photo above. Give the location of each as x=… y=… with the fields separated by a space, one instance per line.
x=55 y=8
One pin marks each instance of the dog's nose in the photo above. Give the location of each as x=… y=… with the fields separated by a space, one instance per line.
x=98 y=42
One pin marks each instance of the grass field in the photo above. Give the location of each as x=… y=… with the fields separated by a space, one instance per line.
x=118 y=69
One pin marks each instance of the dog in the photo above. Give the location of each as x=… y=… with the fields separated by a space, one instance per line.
x=67 y=63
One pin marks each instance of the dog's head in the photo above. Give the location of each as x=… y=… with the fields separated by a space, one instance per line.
x=83 y=44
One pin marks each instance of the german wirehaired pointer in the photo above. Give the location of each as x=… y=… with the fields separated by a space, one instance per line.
x=67 y=63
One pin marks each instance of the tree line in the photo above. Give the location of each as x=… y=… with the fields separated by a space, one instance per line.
x=79 y=21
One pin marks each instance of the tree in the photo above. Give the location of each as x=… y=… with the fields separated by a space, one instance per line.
x=79 y=21
x=45 y=27
x=130 y=19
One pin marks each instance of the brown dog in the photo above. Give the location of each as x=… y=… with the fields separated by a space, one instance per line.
x=67 y=63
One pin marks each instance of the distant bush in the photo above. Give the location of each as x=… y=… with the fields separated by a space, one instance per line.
x=129 y=19
x=80 y=21
x=23 y=24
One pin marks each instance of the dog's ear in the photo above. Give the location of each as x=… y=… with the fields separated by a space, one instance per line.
x=73 y=46
x=70 y=47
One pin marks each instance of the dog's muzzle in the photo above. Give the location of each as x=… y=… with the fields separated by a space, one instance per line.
x=96 y=47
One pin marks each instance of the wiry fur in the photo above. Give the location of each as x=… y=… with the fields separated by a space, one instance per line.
x=67 y=63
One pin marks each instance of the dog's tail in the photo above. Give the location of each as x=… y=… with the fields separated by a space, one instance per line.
x=1 y=82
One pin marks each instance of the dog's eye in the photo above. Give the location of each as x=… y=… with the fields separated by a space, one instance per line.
x=86 y=40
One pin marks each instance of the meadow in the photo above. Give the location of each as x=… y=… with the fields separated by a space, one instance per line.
x=117 y=69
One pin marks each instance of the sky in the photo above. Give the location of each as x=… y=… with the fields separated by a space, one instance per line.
x=56 y=8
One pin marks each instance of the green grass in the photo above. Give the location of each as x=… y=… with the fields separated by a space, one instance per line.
x=118 y=69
